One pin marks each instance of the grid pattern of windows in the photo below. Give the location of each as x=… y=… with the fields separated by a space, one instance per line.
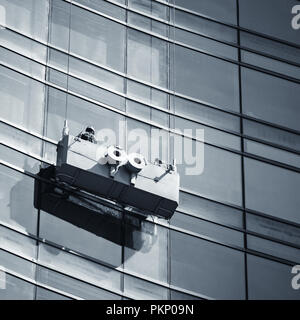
x=229 y=67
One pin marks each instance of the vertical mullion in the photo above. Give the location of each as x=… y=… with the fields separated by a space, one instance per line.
x=242 y=148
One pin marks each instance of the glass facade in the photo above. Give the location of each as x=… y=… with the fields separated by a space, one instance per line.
x=230 y=68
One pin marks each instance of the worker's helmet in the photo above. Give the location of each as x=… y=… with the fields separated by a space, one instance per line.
x=90 y=130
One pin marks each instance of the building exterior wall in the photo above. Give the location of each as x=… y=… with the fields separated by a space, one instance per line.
x=230 y=68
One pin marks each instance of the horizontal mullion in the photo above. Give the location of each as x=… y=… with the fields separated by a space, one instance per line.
x=233 y=26
x=167 y=129
x=234 y=45
x=179 y=115
x=237 y=248
x=242 y=230
x=34 y=282
x=49 y=267
x=246 y=65
x=233 y=206
x=173 y=93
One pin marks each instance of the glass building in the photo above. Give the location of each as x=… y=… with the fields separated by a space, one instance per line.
x=229 y=67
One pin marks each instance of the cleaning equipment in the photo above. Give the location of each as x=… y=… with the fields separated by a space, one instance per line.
x=91 y=183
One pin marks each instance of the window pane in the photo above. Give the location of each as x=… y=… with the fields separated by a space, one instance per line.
x=80 y=268
x=270 y=280
x=272 y=190
x=101 y=40
x=221 y=176
x=105 y=7
x=44 y=294
x=205 y=44
x=207 y=229
x=80 y=240
x=206 y=78
x=206 y=268
x=211 y=135
x=148 y=24
x=80 y=113
x=273 y=48
x=270 y=98
x=270 y=134
x=270 y=64
x=272 y=153
x=144 y=290
x=96 y=75
x=19 y=159
x=217 y=9
x=150 y=7
x=176 y=295
x=147 y=58
x=15 y=288
x=29 y=17
x=72 y=286
x=206 y=115
x=16 y=264
x=16 y=205
x=271 y=17
x=26 y=46
x=96 y=93
x=206 y=27
x=147 y=94
x=23 y=64
x=20 y=140
x=22 y=100
x=273 y=248
x=17 y=243
x=60 y=20
x=210 y=210
x=273 y=229
x=151 y=259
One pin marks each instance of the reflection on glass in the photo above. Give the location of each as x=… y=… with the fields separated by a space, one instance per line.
x=206 y=78
x=210 y=210
x=97 y=38
x=272 y=153
x=269 y=280
x=15 y=288
x=16 y=200
x=17 y=243
x=80 y=240
x=44 y=294
x=275 y=22
x=73 y=286
x=270 y=134
x=273 y=229
x=273 y=248
x=147 y=58
x=270 y=98
x=207 y=229
x=220 y=178
x=272 y=190
x=206 y=268
x=143 y=290
x=16 y=264
x=216 y=9
x=29 y=17
x=206 y=27
x=151 y=259
x=206 y=115
x=22 y=100
x=78 y=267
